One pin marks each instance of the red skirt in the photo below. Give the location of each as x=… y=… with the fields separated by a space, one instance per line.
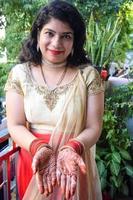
x=24 y=170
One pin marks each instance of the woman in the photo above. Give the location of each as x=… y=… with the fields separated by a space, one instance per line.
x=61 y=97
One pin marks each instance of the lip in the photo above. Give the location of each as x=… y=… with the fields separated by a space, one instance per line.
x=55 y=52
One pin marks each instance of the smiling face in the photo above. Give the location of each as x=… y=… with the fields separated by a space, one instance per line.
x=55 y=41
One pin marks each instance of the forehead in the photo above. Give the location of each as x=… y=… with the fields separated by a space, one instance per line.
x=57 y=25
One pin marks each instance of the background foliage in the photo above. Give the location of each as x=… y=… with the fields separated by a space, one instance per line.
x=114 y=153
x=102 y=40
x=19 y=16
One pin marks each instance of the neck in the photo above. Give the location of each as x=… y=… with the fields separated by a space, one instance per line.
x=61 y=77
x=49 y=65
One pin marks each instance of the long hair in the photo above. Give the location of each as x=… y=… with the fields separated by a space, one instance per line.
x=66 y=13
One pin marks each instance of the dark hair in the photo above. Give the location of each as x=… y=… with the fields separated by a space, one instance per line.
x=67 y=13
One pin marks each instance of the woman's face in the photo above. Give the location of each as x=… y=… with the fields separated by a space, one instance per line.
x=55 y=41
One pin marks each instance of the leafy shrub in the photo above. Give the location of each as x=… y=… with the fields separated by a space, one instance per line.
x=114 y=159
x=4 y=70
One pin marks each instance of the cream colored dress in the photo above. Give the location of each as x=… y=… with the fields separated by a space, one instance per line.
x=61 y=112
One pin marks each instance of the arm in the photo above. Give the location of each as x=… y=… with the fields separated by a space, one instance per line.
x=16 y=120
x=95 y=108
x=44 y=159
x=68 y=161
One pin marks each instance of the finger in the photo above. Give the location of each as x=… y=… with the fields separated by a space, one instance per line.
x=53 y=178
x=67 y=190
x=73 y=184
x=49 y=182
x=39 y=179
x=58 y=176
x=81 y=165
x=52 y=171
x=63 y=183
x=45 y=185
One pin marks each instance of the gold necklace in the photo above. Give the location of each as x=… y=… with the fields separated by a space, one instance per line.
x=60 y=78
x=53 y=65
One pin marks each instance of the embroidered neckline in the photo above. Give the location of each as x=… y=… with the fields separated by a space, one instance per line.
x=34 y=82
x=50 y=96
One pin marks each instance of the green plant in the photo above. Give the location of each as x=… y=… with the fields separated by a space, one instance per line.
x=101 y=40
x=101 y=9
x=125 y=41
x=19 y=16
x=114 y=160
x=4 y=70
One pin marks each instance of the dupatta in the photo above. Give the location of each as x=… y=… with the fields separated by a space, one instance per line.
x=70 y=124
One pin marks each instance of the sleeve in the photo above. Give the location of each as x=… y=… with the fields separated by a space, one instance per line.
x=93 y=81
x=13 y=81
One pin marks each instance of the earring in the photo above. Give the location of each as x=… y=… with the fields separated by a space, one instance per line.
x=37 y=48
x=72 y=52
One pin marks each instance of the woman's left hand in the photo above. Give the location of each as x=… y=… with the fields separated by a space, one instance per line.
x=44 y=166
x=68 y=165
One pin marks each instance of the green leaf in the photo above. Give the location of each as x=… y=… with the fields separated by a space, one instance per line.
x=129 y=170
x=114 y=167
x=116 y=157
x=125 y=154
x=103 y=183
x=114 y=181
x=103 y=179
x=101 y=167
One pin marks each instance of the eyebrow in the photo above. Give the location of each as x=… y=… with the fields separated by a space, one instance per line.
x=55 y=31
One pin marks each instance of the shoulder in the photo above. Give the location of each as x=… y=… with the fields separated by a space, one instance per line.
x=19 y=68
x=89 y=72
x=92 y=79
x=16 y=78
x=19 y=71
x=87 y=68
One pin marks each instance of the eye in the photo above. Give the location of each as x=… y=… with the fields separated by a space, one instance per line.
x=67 y=36
x=49 y=34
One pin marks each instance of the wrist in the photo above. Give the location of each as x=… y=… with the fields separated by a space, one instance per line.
x=37 y=144
x=74 y=145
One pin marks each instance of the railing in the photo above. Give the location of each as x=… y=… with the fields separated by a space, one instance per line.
x=7 y=161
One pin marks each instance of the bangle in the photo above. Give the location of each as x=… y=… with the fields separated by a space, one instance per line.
x=38 y=144
x=78 y=140
x=75 y=145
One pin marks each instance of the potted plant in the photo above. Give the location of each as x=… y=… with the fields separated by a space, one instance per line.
x=101 y=40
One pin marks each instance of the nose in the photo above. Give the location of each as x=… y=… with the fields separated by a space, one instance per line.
x=56 y=42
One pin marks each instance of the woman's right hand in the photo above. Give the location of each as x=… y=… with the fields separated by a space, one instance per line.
x=68 y=165
x=44 y=166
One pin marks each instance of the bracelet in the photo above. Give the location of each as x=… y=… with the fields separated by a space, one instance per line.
x=78 y=140
x=38 y=144
x=74 y=145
